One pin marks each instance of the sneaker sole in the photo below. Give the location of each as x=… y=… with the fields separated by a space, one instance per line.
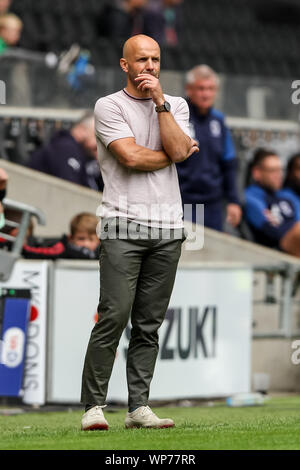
x=96 y=427
x=136 y=426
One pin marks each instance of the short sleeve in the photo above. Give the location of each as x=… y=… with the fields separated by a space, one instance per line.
x=182 y=116
x=110 y=124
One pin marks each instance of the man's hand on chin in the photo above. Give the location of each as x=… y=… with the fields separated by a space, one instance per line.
x=147 y=82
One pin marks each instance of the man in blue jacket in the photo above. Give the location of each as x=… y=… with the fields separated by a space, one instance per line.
x=272 y=214
x=71 y=155
x=209 y=176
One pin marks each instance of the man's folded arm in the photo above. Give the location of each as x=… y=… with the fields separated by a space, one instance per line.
x=176 y=143
x=137 y=157
x=174 y=133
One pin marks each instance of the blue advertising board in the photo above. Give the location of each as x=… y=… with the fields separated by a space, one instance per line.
x=14 y=319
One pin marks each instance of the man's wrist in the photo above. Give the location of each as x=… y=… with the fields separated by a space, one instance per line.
x=160 y=101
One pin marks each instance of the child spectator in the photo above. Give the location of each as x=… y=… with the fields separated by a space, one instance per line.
x=81 y=243
x=83 y=231
x=10 y=31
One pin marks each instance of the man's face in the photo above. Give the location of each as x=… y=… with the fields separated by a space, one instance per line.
x=144 y=57
x=202 y=93
x=269 y=173
x=84 y=239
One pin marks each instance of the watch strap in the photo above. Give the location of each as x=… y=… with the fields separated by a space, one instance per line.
x=163 y=108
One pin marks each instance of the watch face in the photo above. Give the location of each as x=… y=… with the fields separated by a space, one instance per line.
x=167 y=106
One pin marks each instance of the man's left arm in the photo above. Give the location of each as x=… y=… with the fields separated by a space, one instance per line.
x=176 y=143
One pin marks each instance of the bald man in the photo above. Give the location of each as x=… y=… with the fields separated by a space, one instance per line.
x=141 y=133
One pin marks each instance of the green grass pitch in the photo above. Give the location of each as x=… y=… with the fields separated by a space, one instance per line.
x=275 y=425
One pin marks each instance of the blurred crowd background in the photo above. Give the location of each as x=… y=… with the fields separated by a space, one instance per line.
x=58 y=58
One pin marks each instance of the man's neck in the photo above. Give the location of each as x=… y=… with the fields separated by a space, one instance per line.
x=200 y=111
x=131 y=90
x=265 y=187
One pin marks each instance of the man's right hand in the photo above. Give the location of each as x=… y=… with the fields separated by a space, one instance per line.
x=271 y=218
x=194 y=148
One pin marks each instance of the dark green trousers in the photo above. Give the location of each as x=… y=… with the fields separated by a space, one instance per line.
x=136 y=279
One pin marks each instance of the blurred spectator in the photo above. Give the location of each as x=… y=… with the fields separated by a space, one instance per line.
x=4 y=6
x=10 y=31
x=71 y=155
x=83 y=231
x=121 y=19
x=3 y=182
x=209 y=176
x=291 y=184
x=163 y=21
x=81 y=243
x=272 y=215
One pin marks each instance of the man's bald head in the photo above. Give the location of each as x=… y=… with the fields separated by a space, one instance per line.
x=141 y=54
x=136 y=43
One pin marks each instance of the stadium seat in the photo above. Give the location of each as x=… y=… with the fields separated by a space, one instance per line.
x=106 y=52
x=211 y=28
x=3 y=151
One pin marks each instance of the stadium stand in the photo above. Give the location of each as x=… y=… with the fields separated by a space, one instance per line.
x=22 y=132
x=233 y=36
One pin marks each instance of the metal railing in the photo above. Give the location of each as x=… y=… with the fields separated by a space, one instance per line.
x=8 y=258
x=285 y=299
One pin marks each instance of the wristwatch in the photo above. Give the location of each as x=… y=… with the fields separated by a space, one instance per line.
x=164 y=108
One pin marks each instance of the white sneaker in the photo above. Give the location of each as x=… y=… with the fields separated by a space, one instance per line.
x=143 y=417
x=94 y=419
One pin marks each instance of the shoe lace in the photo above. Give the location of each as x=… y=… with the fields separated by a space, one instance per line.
x=147 y=411
x=98 y=407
